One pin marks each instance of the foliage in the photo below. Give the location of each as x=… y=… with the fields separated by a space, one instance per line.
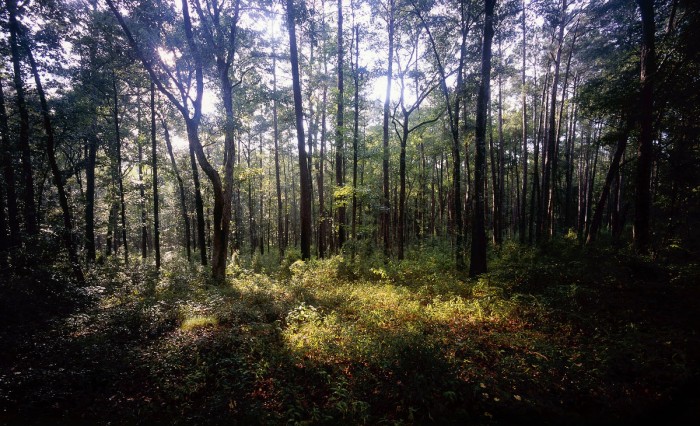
x=563 y=334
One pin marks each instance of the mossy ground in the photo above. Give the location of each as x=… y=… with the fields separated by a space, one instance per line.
x=559 y=335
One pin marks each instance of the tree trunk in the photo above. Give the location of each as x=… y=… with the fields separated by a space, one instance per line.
x=304 y=177
x=181 y=188
x=56 y=172
x=386 y=207
x=199 y=208
x=478 y=249
x=339 y=175
x=276 y=136
x=28 y=196
x=355 y=131
x=120 y=179
x=646 y=116
x=612 y=173
x=142 y=194
x=9 y=177
x=154 y=159
x=523 y=95
x=453 y=117
x=551 y=142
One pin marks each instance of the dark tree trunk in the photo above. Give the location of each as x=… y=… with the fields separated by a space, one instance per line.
x=612 y=173
x=523 y=208
x=645 y=153
x=304 y=177
x=199 y=208
x=278 y=186
x=339 y=175
x=90 y=251
x=120 y=179
x=154 y=159
x=551 y=142
x=8 y=172
x=355 y=131
x=453 y=117
x=142 y=189
x=386 y=206
x=181 y=188
x=478 y=248
x=56 y=172
x=28 y=196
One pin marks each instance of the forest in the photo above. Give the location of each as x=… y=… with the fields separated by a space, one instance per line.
x=349 y=212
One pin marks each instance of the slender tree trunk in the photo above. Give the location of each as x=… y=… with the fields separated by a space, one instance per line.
x=142 y=194
x=339 y=130
x=551 y=142
x=402 y=192
x=570 y=141
x=500 y=188
x=453 y=116
x=154 y=165
x=642 y=237
x=355 y=131
x=28 y=196
x=523 y=95
x=9 y=176
x=612 y=173
x=276 y=136
x=199 y=208
x=120 y=179
x=56 y=172
x=478 y=249
x=181 y=188
x=304 y=177
x=386 y=209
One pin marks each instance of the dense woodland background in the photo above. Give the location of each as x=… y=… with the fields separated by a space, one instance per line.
x=349 y=210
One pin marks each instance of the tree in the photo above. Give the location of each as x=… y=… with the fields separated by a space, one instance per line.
x=28 y=196
x=403 y=127
x=477 y=264
x=551 y=142
x=304 y=175
x=55 y=170
x=386 y=208
x=646 y=119
x=453 y=111
x=523 y=208
x=191 y=110
x=8 y=173
x=339 y=132
x=154 y=165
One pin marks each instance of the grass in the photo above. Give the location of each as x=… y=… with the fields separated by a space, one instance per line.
x=559 y=335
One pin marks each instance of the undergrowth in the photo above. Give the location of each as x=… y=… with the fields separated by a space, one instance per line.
x=558 y=334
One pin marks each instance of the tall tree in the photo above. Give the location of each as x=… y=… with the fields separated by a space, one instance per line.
x=544 y=217
x=339 y=131
x=523 y=96
x=386 y=208
x=642 y=203
x=477 y=264
x=453 y=111
x=154 y=177
x=56 y=173
x=191 y=110
x=304 y=176
x=118 y=168
x=8 y=174
x=222 y=37
x=29 y=203
x=181 y=188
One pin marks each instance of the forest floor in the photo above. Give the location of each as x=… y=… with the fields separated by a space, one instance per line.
x=555 y=336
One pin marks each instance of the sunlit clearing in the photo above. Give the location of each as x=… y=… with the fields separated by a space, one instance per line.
x=198 y=321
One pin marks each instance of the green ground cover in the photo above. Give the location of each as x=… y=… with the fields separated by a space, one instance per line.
x=558 y=336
